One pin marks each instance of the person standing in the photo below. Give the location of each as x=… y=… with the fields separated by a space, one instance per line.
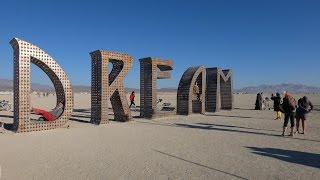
x=262 y=101
x=276 y=105
x=196 y=90
x=289 y=108
x=257 y=104
x=132 y=96
x=304 y=107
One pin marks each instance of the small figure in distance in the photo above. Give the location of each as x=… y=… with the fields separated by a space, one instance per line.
x=276 y=105
x=196 y=91
x=262 y=102
x=259 y=102
x=2 y=127
x=52 y=115
x=304 y=107
x=132 y=96
x=267 y=104
x=257 y=107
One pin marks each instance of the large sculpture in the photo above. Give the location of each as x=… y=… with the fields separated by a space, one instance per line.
x=226 y=89
x=187 y=101
x=219 y=90
x=24 y=54
x=105 y=86
x=151 y=69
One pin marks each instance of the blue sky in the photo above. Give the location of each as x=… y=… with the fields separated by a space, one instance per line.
x=262 y=41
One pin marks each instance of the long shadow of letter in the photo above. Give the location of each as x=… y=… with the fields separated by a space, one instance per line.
x=198 y=164
x=297 y=157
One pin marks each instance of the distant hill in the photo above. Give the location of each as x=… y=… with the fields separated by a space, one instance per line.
x=7 y=85
x=293 y=88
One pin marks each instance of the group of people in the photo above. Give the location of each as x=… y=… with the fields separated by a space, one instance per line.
x=44 y=94
x=292 y=111
x=261 y=102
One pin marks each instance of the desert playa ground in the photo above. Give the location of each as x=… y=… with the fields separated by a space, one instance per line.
x=238 y=144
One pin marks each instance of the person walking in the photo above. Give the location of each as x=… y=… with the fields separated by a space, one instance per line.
x=289 y=109
x=304 y=107
x=132 y=96
x=276 y=105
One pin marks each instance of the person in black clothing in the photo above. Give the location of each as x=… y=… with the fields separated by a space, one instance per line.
x=258 y=105
x=276 y=105
x=304 y=107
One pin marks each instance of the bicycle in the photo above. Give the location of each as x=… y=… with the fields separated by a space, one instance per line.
x=164 y=106
x=5 y=105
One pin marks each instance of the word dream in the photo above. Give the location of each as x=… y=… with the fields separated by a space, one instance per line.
x=213 y=91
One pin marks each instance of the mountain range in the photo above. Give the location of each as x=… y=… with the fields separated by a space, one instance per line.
x=7 y=85
x=293 y=88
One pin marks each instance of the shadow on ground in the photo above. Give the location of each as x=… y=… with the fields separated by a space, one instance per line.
x=79 y=120
x=223 y=128
x=82 y=110
x=227 y=128
x=241 y=127
x=230 y=116
x=296 y=157
x=198 y=164
x=245 y=109
x=6 y=116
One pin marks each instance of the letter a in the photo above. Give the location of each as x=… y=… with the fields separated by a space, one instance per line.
x=187 y=100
